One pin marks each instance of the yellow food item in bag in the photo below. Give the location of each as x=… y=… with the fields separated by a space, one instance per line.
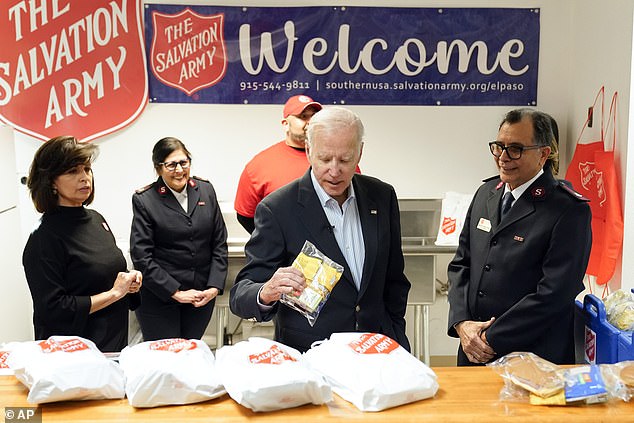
x=307 y=264
x=328 y=277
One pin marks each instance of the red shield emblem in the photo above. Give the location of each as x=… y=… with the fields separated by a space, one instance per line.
x=188 y=50
x=71 y=68
x=592 y=181
x=448 y=225
x=591 y=346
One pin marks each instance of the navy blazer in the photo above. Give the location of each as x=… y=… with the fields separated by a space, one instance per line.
x=174 y=249
x=525 y=270
x=288 y=217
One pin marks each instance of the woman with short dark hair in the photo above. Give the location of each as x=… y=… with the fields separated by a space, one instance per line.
x=76 y=274
x=179 y=241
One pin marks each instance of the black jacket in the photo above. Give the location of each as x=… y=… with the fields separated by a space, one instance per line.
x=525 y=271
x=293 y=214
x=174 y=249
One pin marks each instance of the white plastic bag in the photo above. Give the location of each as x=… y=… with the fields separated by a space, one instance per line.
x=452 y=217
x=372 y=371
x=5 y=351
x=65 y=368
x=264 y=375
x=169 y=371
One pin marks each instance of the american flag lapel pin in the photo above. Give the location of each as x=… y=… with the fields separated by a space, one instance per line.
x=518 y=238
x=373 y=211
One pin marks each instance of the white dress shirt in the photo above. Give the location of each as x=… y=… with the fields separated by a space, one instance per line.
x=346 y=226
x=181 y=197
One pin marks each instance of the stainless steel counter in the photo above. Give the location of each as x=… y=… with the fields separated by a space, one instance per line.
x=237 y=261
x=420 y=218
x=420 y=268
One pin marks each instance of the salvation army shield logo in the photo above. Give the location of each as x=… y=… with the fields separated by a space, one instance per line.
x=71 y=68
x=448 y=225
x=592 y=181
x=188 y=50
x=590 y=349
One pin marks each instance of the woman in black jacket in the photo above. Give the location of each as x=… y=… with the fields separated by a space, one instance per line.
x=179 y=241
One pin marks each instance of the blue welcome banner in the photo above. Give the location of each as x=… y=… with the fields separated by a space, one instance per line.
x=343 y=55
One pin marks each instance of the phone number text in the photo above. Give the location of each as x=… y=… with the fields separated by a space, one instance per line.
x=274 y=86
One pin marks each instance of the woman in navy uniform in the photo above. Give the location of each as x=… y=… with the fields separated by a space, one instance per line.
x=179 y=242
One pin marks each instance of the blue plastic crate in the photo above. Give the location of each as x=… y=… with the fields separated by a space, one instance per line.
x=602 y=342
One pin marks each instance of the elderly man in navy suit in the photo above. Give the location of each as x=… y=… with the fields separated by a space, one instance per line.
x=351 y=218
x=522 y=253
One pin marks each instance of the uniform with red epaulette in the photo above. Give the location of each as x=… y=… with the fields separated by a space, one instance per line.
x=525 y=270
x=177 y=250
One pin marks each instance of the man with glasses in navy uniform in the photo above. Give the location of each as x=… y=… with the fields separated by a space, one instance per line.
x=522 y=253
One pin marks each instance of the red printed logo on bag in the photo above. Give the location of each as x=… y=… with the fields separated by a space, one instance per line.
x=592 y=180
x=68 y=345
x=591 y=346
x=374 y=343
x=188 y=50
x=448 y=225
x=173 y=345
x=274 y=355
x=4 y=355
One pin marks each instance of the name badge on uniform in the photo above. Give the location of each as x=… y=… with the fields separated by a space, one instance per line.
x=484 y=224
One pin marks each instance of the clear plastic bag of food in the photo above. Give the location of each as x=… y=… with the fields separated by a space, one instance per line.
x=619 y=379
x=529 y=378
x=321 y=273
x=619 y=307
x=585 y=383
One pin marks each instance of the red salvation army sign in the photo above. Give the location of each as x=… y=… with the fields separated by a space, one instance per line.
x=188 y=50
x=70 y=67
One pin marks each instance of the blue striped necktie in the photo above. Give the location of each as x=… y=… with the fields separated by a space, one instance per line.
x=507 y=201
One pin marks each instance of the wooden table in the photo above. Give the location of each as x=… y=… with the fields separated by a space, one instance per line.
x=465 y=395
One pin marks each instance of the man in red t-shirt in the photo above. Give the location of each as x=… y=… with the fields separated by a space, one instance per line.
x=276 y=165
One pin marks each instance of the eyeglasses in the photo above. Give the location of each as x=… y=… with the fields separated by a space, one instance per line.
x=513 y=151
x=171 y=166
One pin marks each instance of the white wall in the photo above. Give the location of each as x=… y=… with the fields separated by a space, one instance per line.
x=15 y=305
x=422 y=151
x=601 y=52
